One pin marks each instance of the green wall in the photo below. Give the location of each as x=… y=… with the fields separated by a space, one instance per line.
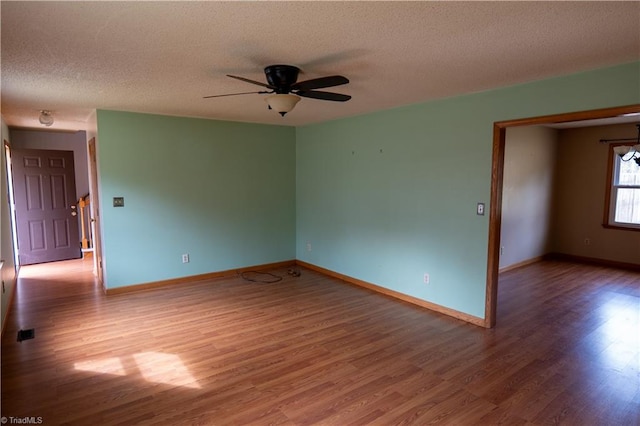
x=222 y=192
x=389 y=196
x=383 y=197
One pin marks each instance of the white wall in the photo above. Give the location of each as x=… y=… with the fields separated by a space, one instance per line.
x=527 y=195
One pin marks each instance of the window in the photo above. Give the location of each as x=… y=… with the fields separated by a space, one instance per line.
x=623 y=206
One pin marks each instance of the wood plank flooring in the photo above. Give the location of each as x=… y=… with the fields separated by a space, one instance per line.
x=314 y=350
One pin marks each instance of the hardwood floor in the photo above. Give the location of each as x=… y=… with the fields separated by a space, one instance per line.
x=313 y=350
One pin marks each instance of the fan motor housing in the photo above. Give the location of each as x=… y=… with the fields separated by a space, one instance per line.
x=282 y=77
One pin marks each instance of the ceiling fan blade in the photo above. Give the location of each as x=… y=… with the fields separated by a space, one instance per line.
x=325 y=96
x=319 y=83
x=251 y=81
x=234 y=94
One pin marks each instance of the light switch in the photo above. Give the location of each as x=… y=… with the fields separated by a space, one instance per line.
x=118 y=201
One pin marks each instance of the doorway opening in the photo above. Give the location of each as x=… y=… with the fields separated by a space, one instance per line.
x=46 y=212
x=81 y=205
x=497 y=176
x=12 y=209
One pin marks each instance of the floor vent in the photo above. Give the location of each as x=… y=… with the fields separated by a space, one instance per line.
x=26 y=334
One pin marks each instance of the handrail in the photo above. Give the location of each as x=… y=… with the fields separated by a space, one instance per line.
x=85 y=221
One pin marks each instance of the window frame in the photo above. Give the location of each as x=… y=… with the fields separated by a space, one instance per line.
x=609 y=209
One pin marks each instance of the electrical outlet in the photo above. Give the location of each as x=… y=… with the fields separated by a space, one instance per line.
x=426 y=278
x=480 y=209
x=587 y=242
x=185 y=258
x=308 y=246
x=501 y=250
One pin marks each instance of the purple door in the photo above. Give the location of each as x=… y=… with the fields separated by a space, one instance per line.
x=46 y=217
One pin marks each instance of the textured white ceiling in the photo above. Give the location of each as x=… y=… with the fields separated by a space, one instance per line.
x=163 y=57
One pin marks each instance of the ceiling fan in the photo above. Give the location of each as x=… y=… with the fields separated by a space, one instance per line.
x=285 y=90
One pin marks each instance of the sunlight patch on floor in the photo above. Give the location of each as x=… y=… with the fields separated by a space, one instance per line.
x=155 y=367
x=164 y=368
x=620 y=334
x=103 y=366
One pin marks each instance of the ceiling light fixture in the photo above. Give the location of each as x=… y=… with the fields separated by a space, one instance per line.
x=282 y=103
x=46 y=118
x=624 y=150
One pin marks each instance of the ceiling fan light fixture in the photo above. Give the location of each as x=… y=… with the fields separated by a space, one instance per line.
x=285 y=90
x=46 y=118
x=282 y=103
